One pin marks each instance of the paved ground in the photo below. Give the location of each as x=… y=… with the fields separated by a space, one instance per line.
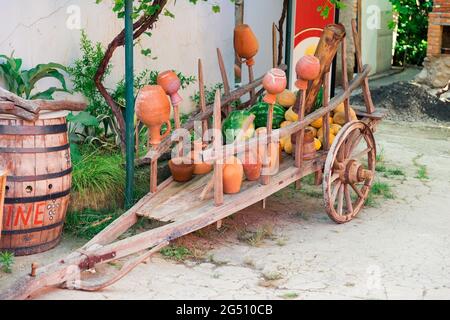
x=398 y=249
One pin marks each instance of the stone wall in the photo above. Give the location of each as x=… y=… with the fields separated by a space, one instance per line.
x=436 y=71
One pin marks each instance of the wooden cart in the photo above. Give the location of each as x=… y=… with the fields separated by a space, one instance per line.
x=346 y=169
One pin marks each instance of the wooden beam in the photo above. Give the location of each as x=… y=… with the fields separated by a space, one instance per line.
x=230 y=150
x=165 y=144
x=326 y=51
x=218 y=165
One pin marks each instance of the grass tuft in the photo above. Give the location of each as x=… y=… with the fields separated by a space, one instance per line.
x=6 y=261
x=177 y=253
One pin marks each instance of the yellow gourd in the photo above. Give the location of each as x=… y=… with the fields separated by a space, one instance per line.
x=285 y=124
x=290 y=115
x=330 y=138
x=317 y=144
x=288 y=146
x=318 y=123
x=339 y=117
x=286 y=98
x=335 y=128
x=340 y=108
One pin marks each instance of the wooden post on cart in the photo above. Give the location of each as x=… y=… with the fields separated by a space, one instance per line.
x=218 y=164
x=365 y=85
x=3 y=175
x=226 y=84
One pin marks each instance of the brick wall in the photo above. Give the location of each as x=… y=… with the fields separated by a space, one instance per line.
x=437 y=19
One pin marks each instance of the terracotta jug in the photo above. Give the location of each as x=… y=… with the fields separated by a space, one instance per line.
x=170 y=82
x=309 y=149
x=252 y=165
x=233 y=173
x=153 y=109
x=307 y=69
x=182 y=169
x=274 y=82
x=200 y=167
x=245 y=43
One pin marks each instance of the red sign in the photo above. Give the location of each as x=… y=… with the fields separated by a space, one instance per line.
x=308 y=27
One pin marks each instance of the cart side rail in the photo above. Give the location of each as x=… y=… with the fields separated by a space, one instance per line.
x=223 y=152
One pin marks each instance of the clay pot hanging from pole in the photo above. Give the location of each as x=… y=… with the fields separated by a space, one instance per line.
x=274 y=82
x=307 y=69
x=170 y=82
x=153 y=109
x=246 y=47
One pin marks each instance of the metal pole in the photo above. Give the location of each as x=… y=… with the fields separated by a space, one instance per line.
x=129 y=113
x=288 y=48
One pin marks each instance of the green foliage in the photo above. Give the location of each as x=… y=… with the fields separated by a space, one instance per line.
x=411 y=44
x=177 y=253
x=82 y=72
x=97 y=125
x=422 y=172
x=326 y=7
x=23 y=82
x=6 y=261
x=87 y=223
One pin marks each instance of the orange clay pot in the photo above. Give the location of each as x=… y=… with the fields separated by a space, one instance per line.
x=252 y=165
x=233 y=173
x=170 y=82
x=153 y=109
x=245 y=43
x=309 y=150
x=274 y=82
x=307 y=69
x=199 y=166
x=182 y=171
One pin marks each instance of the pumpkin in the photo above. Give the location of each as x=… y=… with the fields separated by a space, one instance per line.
x=261 y=109
x=286 y=98
x=318 y=123
x=313 y=130
x=290 y=115
x=288 y=147
x=233 y=173
x=339 y=118
x=233 y=124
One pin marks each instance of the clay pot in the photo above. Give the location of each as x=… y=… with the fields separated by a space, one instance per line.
x=233 y=173
x=245 y=43
x=153 y=109
x=307 y=69
x=252 y=165
x=181 y=170
x=309 y=150
x=170 y=82
x=200 y=167
x=275 y=83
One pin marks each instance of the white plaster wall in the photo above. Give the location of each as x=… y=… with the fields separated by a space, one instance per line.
x=376 y=43
x=37 y=32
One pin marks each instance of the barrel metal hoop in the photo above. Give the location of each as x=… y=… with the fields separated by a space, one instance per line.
x=21 y=251
x=31 y=230
x=33 y=130
x=41 y=177
x=35 y=150
x=46 y=197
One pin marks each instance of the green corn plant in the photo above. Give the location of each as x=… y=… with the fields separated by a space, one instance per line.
x=23 y=82
x=6 y=261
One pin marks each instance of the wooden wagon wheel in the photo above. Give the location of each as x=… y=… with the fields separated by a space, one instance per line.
x=349 y=171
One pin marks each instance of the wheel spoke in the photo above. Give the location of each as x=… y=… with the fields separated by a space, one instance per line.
x=358 y=192
x=335 y=192
x=360 y=154
x=348 y=199
x=340 y=199
x=334 y=177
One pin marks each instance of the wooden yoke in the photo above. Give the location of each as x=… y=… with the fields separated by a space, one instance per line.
x=326 y=50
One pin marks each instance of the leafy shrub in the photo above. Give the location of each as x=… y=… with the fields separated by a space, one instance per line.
x=23 y=82
x=411 y=47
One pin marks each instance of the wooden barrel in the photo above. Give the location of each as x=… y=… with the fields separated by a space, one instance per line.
x=37 y=155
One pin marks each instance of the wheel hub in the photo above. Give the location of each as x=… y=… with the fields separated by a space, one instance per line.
x=352 y=172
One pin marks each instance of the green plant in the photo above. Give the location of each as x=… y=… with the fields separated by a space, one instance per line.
x=412 y=25
x=23 y=82
x=6 y=261
x=88 y=222
x=210 y=93
x=289 y=295
x=422 y=172
x=174 y=252
x=327 y=5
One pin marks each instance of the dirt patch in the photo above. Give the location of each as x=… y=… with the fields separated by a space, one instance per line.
x=408 y=102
